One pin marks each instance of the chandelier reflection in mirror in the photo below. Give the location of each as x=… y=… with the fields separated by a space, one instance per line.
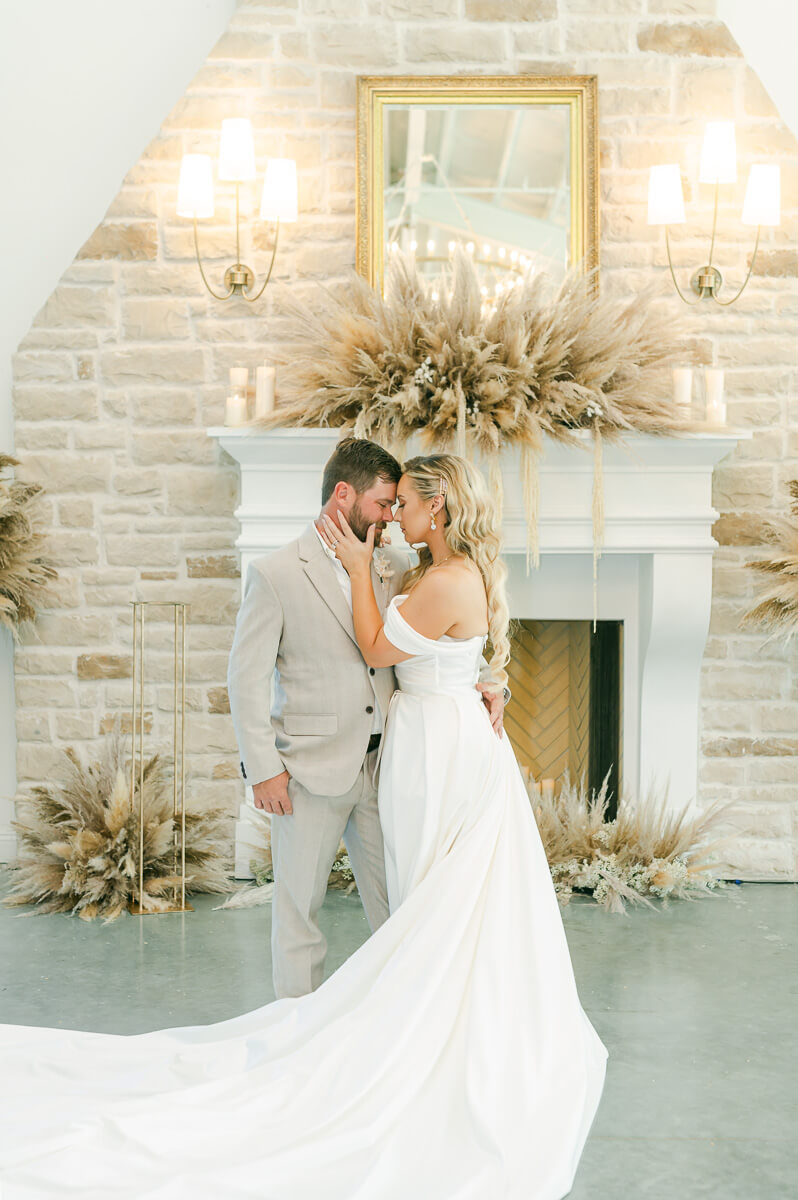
x=237 y=165
x=761 y=206
x=495 y=180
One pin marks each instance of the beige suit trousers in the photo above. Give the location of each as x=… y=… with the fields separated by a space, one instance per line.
x=304 y=845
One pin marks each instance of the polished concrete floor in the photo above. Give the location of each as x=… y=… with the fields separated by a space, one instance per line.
x=696 y=1003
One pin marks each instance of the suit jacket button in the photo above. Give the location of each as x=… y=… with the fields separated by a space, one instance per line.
x=371 y=670
x=370 y=708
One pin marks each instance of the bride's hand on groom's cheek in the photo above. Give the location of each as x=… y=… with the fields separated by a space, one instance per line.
x=349 y=550
x=271 y=795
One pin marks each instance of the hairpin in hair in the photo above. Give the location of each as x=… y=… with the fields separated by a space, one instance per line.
x=442 y=486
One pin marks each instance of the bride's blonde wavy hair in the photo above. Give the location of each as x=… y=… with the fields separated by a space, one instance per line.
x=472 y=528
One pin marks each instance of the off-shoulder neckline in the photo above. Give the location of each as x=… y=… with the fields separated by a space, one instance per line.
x=434 y=641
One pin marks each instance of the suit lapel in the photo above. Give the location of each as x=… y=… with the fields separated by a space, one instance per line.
x=321 y=573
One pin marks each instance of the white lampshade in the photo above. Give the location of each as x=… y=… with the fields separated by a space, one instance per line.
x=719 y=153
x=195 y=189
x=279 y=201
x=237 y=150
x=762 y=204
x=665 y=197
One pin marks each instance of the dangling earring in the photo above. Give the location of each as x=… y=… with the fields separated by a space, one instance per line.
x=432 y=524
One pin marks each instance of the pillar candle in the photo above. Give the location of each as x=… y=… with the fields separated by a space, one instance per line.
x=683 y=389
x=264 y=390
x=713 y=388
x=235 y=410
x=239 y=380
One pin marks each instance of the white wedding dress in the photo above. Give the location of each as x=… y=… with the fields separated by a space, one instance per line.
x=448 y=1059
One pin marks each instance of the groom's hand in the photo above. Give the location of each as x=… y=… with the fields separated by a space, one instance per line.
x=272 y=795
x=495 y=707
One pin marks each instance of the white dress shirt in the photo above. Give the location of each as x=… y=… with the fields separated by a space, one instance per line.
x=345 y=584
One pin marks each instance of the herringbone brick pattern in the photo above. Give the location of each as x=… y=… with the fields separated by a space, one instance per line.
x=547 y=718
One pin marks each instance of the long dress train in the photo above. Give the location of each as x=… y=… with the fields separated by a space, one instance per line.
x=448 y=1058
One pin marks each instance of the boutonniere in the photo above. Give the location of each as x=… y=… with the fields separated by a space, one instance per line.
x=382 y=566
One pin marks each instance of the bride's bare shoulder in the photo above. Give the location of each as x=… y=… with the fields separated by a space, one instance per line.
x=450 y=580
x=447 y=598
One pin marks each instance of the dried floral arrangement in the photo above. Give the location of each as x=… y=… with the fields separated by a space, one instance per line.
x=777 y=610
x=646 y=851
x=25 y=568
x=434 y=356
x=79 y=839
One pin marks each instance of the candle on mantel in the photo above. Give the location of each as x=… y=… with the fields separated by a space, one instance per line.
x=239 y=380
x=713 y=390
x=235 y=410
x=264 y=390
x=683 y=389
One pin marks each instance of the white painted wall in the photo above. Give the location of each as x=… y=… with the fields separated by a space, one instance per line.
x=767 y=34
x=84 y=87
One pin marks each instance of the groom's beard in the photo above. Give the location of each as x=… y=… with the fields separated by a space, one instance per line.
x=360 y=526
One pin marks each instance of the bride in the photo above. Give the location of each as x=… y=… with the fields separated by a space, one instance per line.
x=449 y=1058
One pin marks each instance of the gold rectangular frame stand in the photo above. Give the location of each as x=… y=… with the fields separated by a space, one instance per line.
x=178 y=747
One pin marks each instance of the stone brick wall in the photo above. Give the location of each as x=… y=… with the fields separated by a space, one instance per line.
x=126 y=364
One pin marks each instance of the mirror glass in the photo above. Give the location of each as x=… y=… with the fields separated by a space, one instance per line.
x=496 y=178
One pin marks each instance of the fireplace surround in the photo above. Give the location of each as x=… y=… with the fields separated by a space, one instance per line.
x=654 y=576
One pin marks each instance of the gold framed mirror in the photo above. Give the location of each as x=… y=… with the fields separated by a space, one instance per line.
x=504 y=164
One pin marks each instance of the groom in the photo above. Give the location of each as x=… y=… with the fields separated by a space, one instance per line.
x=311 y=761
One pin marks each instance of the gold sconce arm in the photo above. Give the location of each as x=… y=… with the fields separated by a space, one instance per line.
x=239 y=276
x=707 y=281
x=216 y=295
x=673 y=273
x=726 y=303
x=258 y=295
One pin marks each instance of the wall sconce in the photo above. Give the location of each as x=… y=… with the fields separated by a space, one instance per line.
x=237 y=165
x=718 y=165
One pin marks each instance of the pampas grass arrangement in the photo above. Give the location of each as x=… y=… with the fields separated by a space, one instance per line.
x=434 y=356
x=646 y=851
x=777 y=610
x=25 y=567
x=80 y=839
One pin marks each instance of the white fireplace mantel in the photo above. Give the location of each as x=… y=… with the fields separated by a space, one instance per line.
x=655 y=573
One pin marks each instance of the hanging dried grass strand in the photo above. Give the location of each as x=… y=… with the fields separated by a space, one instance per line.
x=530 y=483
x=460 y=431
x=598 y=513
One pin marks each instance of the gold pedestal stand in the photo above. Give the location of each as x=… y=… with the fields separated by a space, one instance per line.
x=178 y=746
